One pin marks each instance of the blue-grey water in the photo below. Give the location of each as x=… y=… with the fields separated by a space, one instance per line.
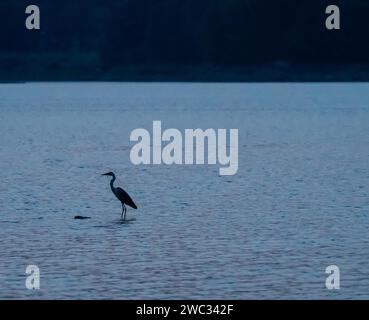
x=299 y=202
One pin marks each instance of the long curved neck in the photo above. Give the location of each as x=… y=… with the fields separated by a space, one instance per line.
x=112 y=183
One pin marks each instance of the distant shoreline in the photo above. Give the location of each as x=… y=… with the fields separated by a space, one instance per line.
x=264 y=73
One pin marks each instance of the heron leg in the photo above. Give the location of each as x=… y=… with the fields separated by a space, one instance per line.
x=124 y=211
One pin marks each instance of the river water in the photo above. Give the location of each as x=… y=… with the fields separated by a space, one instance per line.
x=298 y=204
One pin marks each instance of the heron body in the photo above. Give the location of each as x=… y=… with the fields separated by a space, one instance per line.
x=121 y=195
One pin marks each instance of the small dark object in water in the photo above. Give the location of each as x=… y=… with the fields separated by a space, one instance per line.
x=81 y=218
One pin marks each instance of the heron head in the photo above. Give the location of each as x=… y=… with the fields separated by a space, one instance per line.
x=111 y=174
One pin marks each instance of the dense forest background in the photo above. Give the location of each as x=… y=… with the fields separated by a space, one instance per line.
x=190 y=40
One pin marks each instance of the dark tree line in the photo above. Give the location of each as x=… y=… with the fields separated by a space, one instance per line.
x=110 y=38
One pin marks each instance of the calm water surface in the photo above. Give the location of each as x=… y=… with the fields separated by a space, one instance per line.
x=299 y=203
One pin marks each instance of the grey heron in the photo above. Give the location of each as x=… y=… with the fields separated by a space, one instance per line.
x=122 y=195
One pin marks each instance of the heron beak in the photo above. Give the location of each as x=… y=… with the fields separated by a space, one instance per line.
x=105 y=174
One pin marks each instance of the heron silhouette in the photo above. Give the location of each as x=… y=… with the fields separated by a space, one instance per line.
x=122 y=196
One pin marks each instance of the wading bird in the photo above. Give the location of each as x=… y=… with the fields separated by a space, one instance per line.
x=122 y=196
